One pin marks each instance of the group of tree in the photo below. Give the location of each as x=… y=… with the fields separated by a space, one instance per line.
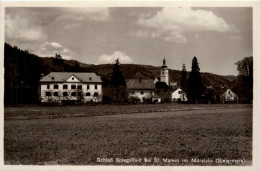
x=59 y=65
x=243 y=85
x=193 y=87
x=22 y=75
x=196 y=92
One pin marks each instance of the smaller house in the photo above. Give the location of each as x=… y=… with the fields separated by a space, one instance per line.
x=228 y=96
x=142 y=89
x=178 y=95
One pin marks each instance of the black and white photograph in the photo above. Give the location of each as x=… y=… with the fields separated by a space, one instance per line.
x=159 y=85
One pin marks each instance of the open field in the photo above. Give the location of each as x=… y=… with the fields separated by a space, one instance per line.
x=178 y=131
x=100 y=110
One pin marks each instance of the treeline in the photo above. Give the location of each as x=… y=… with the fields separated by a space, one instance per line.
x=243 y=85
x=22 y=74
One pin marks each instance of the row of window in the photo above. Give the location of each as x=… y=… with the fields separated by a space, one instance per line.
x=65 y=86
x=72 y=94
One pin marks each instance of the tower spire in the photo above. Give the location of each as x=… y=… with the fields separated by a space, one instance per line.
x=164 y=63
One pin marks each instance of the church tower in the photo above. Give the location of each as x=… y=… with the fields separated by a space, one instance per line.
x=164 y=73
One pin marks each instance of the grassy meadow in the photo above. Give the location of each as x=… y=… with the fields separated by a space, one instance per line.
x=82 y=135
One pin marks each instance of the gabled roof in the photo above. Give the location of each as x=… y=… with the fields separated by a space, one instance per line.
x=175 y=88
x=158 y=78
x=63 y=76
x=140 y=84
x=221 y=91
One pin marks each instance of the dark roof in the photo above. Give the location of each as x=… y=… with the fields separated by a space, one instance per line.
x=221 y=91
x=140 y=84
x=63 y=76
x=161 y=85
x=175 y=88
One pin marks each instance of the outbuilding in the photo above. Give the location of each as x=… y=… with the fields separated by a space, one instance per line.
x=178 y=95
x=228 y=97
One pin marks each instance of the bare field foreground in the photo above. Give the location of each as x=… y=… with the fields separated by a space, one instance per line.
x=161 y=134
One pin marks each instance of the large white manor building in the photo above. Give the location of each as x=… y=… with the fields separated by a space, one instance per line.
x=64 y=86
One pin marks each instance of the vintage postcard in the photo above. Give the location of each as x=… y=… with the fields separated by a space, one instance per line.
x=129 y=85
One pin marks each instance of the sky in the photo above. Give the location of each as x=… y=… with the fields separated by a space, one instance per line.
x=218 y=36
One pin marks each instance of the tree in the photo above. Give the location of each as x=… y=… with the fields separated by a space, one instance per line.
x=118 y=92
x=243 y=85
x=183 y=81
x=58 y=61
x=245 y=66
x=195 y=86
x=211 y=95
x=117 y=78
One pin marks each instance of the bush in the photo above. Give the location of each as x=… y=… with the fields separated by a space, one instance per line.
x=134 y=100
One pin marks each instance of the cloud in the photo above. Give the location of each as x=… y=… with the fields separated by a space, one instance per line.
x=236 y=37
x=175 y=37
x=18 y=28
x=171 y=24
x=169 y=37
x=49 y=49
x=72 y=26
x=55 y=45
x=87 y=13
x=140 y=34
x=109 y=59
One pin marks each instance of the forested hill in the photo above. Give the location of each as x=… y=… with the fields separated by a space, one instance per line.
x=129 y=71
x=24 y=70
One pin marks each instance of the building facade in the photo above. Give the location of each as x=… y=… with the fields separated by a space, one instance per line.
x=178 y=95
x=59 y=87
x=142 y=89
x=228 y=97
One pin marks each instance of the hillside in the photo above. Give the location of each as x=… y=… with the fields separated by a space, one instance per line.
x=140 y=71
x=151 y=72
x=23 y=71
